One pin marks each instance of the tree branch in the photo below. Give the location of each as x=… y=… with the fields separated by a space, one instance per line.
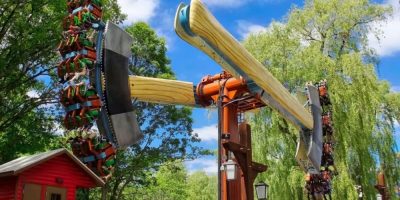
x=5 y=25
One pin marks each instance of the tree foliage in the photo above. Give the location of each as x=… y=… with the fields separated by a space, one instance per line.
x=201 y=186
x=173 y=182
x=170 y=182
x=328 y=40
x=29 y=34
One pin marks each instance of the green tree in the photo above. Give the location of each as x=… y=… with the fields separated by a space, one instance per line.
x=328 y=40
x=201 y=186
x=29 y=34
x=168 y=183
x=171 y=182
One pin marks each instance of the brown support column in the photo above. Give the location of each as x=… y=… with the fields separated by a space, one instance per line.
x=231 y=190
x=381 y=186
x=243 y=155
x=233 y=144
x=248 y=178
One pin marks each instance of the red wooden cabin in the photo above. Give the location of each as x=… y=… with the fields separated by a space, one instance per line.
x=53 y=175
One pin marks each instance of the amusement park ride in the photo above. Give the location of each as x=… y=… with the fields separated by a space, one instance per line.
x=98 y=88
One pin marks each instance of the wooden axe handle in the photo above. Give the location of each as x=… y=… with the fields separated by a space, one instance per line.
x=163 y=91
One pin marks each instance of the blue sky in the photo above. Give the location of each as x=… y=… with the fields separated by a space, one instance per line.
x=241 y=17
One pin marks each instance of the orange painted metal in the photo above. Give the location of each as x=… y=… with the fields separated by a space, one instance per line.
x=231 y=134
x=208 y=89
x=381 y=186
x=234 y=144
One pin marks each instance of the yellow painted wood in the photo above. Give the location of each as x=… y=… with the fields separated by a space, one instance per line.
x=162 y=91
x=200 y=44
x=206 y=27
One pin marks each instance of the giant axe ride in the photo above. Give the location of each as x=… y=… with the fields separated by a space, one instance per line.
x=245 y=85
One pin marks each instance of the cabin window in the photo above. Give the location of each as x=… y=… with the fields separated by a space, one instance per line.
x=55 y=196
x=55 y=193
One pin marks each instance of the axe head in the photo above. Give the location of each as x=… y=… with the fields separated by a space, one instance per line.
x=118 y=105
x=309 y=148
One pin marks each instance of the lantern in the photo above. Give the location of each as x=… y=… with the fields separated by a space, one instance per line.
x=261 y=190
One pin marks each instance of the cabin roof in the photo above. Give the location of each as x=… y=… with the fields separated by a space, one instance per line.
x=21 y=164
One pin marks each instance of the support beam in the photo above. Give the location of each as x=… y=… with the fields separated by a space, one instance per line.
x=163 y=91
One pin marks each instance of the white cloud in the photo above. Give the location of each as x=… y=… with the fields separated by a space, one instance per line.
x=33 y=94
x=225 y=3
x=139 y=10
x=207 y=133
x=234 y=3
x=395 y=88
x=164 y=26
x=147 y=11
x=58 y=129
x=246 y=28
x=210 y=165
x=389 y=41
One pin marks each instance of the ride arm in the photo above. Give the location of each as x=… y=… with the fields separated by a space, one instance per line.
x=197 y=26
x=163 y=91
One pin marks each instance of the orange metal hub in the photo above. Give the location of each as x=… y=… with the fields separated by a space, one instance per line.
x=233 y=97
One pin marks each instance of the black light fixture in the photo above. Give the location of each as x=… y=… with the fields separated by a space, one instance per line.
x=261 y=190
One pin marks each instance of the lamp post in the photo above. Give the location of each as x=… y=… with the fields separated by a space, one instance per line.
x=230 y=169
x=261 y=190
